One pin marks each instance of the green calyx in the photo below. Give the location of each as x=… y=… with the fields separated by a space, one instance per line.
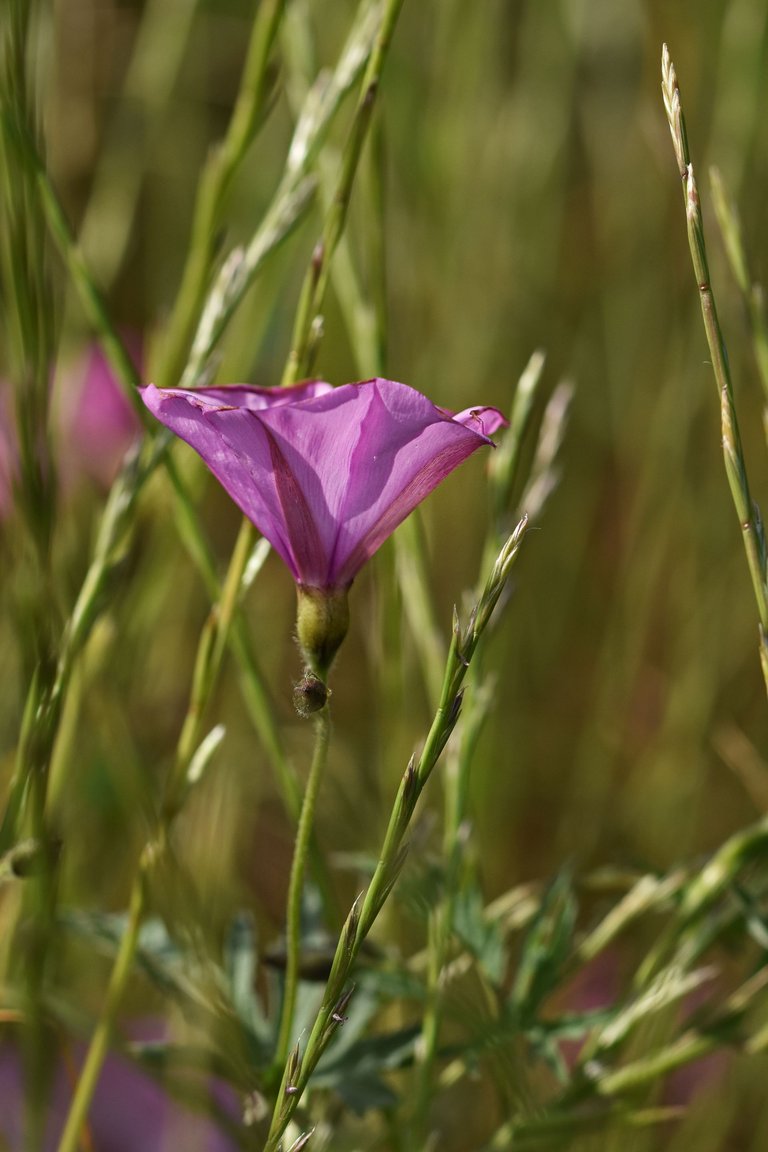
x=322 y=620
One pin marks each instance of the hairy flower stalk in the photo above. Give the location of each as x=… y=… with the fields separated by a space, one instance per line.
x=322 y=621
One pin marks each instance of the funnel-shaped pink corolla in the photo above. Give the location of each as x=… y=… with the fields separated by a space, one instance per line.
x=326 y=474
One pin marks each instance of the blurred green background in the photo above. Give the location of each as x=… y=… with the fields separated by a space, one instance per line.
x=531 y=200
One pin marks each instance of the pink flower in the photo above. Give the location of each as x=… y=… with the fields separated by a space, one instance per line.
x=93 y=425
x=326 y=474
x=97 y=422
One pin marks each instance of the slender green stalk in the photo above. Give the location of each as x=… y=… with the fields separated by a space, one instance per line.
x=156 y=60
x=215 y=182
x=753 y=294
x=316 y=279
x=296 y=883
x=392 y=855
x=412 y=568
x=253 y=687
x=365 y=325
x=545 y=1133
x=504 y=475
x=99 y=1045
x=291 y=198
x=691 y=1045
x=456 y=786
x=91 y=298
x=504 y=467
x=210 y=654
x=735 y=465
x=29 y=323
x=701 y=891
x=29 y=320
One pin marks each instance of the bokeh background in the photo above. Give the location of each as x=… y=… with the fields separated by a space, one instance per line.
x=530 y=200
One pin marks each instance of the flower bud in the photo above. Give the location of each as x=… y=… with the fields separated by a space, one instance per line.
x=322 y=620
x=309 y=695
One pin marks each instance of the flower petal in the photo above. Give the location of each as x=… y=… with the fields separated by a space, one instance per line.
x=326 y=474
x=486 y=421
x=236 y=448
x=256 y=399
x=365 y=455
x=409 y=447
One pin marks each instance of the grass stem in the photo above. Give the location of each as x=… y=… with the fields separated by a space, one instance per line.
x=733 y=454
x=216 y=180
x=99 y=1045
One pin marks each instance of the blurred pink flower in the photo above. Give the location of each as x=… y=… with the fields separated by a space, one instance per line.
x=326 y=474
x=93 y=422
x=130 y=1112
x=97 y=422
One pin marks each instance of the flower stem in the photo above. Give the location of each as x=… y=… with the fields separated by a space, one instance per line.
x=97 y=1050
x=296 y=882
